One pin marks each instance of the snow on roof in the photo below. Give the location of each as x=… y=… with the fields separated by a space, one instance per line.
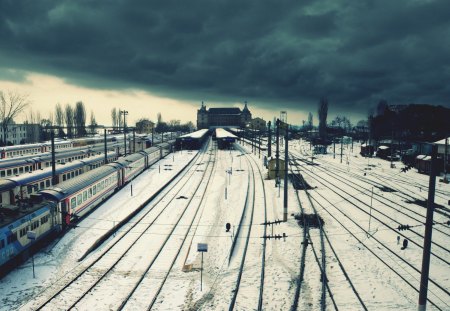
x=423 y=157
x=442 y=141
x=221 y=133
x=196 y=134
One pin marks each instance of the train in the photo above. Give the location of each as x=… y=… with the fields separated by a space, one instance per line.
x=9 y=152
x=55 y=209
x=17 y=189
x=21 y=150
x=224 y=138
x=192 y=140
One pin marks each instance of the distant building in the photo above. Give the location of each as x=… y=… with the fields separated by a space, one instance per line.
x=21 y=134
x=144 y=126
x=222 y=117
x=258 y=124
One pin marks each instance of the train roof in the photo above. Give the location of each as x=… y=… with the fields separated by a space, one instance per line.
x=221 y=133
x=64 y=189
x=125 y=162
x=12 y=213
x=33 y=176
x=16 y=162
x=196 y=134
x=6 y=184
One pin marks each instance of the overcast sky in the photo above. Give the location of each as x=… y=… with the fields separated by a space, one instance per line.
x=167 y=56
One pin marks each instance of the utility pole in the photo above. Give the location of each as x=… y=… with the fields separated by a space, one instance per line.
x=52 y=136
x=277 y=153
x=286 y=162
x=342 y=139
x=269 y=142
x=446 y=159
x=428 y=232
x=106 y=147
x=134 y=140
x=124 y=131
x=259 y=141
x=334 y=149
x=153 y=131
x=392 y=149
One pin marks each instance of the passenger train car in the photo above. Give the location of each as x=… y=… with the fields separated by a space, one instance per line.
x=40 y=218
x=16 y=189
x=21 y=150
x=192 y=140
x=52 y=210
x=78 y=196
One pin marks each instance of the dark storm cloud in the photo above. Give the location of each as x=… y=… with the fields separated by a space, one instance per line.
x=285 y=52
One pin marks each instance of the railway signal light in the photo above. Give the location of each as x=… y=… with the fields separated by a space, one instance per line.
x=407 y=168
x=228 y=227
x=403 y=227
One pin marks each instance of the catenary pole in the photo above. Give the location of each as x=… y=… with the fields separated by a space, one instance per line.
x=106 y=147
x=428 y=232
x=286 y=162
x=52 y=136
x=277 y=153
x=269 y=142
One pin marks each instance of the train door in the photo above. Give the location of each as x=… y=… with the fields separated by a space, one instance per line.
x=12 y=198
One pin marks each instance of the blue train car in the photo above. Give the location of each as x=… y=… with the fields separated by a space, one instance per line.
x=192 y=141
x=224 y=138
x=15 y=223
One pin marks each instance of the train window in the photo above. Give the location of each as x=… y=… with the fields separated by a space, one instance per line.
x=12 y=238
x=103 y=185
x=27 y=168
x=2 y=174
x=41 y=185
x=2 y=243
x=15 y=171
x=30 y=189
x=44 y=219
x=73 y=202
x=47 y=183
x=72 y=174
x=80 y=171
x=64 y=177
x=90 y=192
x=79 y=199
x=21 y=170
x=84 y=195
x=76 y=173
x=94 y=189
x=34 y=225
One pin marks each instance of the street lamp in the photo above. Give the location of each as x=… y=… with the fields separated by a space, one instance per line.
x=124 y=112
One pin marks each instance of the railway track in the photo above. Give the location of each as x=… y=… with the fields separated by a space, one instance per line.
x=93 y=274
x=254 y=273
x=386 y=250
x=385 y=202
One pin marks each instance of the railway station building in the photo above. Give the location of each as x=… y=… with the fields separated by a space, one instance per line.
x=222 y=117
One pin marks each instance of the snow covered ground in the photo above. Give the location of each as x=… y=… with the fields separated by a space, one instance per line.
x=347 y=196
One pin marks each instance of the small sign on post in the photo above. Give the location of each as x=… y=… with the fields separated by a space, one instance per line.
x=31 y=235
x=202 y=248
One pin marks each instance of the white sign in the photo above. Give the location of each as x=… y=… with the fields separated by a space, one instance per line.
x=31 y=235
x=202 y=247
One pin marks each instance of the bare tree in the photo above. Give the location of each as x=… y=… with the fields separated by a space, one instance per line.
x=11 y=105
x=93 y=124
x=80 y=119
x=159 y=118
x=59 y=119
x=323 y=113
x=69 y=120
x=114 y=118
x=310 y=121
